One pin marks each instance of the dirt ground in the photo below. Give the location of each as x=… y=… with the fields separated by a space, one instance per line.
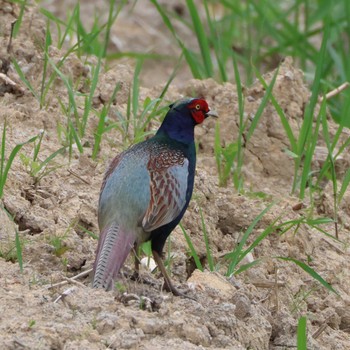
x=256 y=309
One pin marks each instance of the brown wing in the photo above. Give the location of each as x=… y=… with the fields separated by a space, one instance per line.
x=168 y=184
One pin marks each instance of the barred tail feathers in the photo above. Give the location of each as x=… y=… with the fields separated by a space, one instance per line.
x=113 y=248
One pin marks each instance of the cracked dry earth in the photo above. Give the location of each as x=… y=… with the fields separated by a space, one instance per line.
x=257 y=309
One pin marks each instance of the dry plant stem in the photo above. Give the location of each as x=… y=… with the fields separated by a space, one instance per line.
x=319 y=331
x=11 y=35
x=19 y=343
x=7 y=80
x=71 y=280
x=336 y=229
x=260 y=301
x=65 y=293
x=335 y=92
x=78 y=176
x=276 y=289
x=338 y=250
x=328 y=96
x=267 y=284
x=286 y=346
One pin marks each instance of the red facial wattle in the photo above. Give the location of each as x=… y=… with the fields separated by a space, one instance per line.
x=198 y=116
x=198 y=109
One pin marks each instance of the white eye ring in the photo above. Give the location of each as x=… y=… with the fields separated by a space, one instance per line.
x=198 y=107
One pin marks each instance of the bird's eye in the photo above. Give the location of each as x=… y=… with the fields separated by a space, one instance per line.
x=198 y=107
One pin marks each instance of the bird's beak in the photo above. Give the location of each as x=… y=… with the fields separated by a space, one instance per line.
x=211 y=113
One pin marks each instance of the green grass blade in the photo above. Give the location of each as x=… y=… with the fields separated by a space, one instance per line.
x=19 y=251
x=69 y=26
x=24 y=79
x=344 y=186
x=108 y=27
x=18 y=23
x=311 y=272
x=261 y=108
x=217 y=43
x=112 y=16
x=309 y=152
x=101 y=128
x=135 y=89
x=89 y=233
x=284 y=120
x=138 y=56
x=2 y=160
x=75 y=137
x=201 y=38
x=236 y=255
x=48 y=42
x=169 y=81
x=245 y=267
x=52 y=156
x=38 y=146
x=301 y=334
x=192 y=249
x=89 y=99
x=99 y=132
x=51 y=16
x=142 y=121
x=217 y=152
x=330 y=159
x=237 y=177
x=74 y=108
x=271 y=228
x=5 y=169
x=18 y=244
x=305 y=136
x=207 y=246
x=191 y=60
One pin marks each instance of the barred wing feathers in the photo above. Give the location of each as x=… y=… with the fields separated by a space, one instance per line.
x=168 y=184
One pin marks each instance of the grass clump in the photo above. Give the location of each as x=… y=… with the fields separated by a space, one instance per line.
x=38 y=169
x=5 y=165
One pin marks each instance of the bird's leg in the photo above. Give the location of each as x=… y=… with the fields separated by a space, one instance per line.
x=168 y=284
x=136 y=274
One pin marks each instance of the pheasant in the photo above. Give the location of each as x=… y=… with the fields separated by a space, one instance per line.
x=146 y=191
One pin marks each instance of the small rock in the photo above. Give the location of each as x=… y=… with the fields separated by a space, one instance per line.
x=243 y=305
x=213 y=283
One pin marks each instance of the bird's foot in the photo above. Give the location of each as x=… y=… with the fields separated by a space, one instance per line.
x=168 y=286
x=171 y=289
x=135 y=276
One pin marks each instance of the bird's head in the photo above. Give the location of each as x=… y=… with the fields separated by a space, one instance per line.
x=183 y=116
x=198 y=108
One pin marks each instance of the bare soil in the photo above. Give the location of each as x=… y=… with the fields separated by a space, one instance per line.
x=256 y=309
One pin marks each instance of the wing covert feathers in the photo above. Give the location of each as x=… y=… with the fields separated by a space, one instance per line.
x=168 y=194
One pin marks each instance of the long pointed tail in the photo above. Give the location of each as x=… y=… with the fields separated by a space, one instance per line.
x=114 y=245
